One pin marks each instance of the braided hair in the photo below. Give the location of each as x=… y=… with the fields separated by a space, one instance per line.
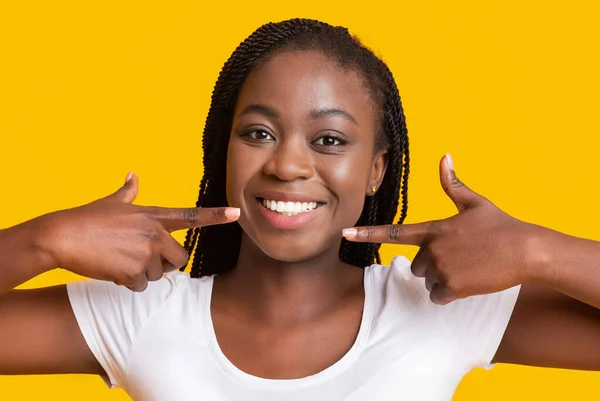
x=217 y=247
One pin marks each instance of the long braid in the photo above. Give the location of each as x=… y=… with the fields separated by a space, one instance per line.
x=215 y=249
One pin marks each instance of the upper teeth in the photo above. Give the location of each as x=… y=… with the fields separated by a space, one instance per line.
x=289 y=208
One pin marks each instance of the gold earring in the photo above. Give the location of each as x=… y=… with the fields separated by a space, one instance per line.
x=373 y=188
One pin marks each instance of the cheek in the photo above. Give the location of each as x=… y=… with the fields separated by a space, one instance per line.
x=348 y=177
x=239 y=172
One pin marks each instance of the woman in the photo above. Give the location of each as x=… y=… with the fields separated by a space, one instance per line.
x=305 y=138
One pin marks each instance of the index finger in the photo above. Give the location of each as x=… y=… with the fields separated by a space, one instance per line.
x=180 y=219
x=406 y=234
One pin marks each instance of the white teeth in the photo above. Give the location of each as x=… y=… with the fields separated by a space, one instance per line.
x=289 y=208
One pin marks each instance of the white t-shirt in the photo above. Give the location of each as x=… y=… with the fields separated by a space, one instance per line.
x=160 y=345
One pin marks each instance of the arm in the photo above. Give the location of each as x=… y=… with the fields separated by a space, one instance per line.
x=482 y=250
x=556 y=321
x=109 y=239
x=40 y=334
x=22 y=254
x=39 y=331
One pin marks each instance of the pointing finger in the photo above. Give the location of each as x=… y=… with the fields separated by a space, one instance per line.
x=407 y=234
x=180 y=219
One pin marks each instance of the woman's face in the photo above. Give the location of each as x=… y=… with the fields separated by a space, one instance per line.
x=301 y=154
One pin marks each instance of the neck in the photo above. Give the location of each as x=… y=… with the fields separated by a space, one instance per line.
x=272 y=289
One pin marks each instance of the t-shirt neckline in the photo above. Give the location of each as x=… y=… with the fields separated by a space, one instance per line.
x=288 y=384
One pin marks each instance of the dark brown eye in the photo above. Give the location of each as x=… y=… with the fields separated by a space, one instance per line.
x=259 y=135
x=328 y=140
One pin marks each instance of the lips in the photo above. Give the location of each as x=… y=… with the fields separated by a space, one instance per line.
x=288 y=210
x=289 y=197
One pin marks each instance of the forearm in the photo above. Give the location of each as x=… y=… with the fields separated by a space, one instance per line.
x=23 y=252
x=570 y=265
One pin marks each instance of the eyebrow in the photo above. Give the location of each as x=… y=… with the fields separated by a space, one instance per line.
x=322 y=113
x=314 y=114
x=260 y=109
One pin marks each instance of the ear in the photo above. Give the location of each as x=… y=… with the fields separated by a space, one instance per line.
x=378 y=168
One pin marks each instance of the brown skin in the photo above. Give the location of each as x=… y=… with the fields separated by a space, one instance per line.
x=297 y=306
x=556 y=321
x=291 y=308
x=109 y=239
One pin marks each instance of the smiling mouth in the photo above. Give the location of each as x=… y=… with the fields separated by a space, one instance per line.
x=288 y=208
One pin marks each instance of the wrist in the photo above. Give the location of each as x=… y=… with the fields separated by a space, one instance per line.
x=44 y=232
x=541 y=247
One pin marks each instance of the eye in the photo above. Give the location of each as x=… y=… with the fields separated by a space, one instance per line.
x=330 y=140
x=258 y=135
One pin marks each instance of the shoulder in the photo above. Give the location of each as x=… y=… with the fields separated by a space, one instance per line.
x=397 y=283
x=398 y=293
x=476 y=324
x=96 y=297
x=112 y=317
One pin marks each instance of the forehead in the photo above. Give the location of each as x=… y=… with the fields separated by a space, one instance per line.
x=295 y=81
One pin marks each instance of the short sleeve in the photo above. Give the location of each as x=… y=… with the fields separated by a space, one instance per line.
x=111 y=316
x=478 y=324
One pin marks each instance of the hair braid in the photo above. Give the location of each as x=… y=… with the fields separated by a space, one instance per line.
x=215 y=249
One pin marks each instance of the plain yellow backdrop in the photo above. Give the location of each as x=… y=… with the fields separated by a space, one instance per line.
x=91 y=90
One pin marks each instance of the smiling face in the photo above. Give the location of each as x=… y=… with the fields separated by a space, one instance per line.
x=301 y=154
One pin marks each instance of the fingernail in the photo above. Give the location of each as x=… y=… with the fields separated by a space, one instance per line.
x=129 y=177
x=232 y=212
x=349 y=232
x=450 y=161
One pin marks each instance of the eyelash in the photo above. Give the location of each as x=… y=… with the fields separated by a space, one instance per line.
x=249 y=133
x=341 y=141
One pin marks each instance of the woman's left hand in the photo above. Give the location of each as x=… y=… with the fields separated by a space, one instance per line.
x=480 y=250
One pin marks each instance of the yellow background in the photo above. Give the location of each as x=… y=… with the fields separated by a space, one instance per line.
x=91 y=90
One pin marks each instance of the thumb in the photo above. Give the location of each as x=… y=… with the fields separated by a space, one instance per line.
x=460 y=194
x=128 y=192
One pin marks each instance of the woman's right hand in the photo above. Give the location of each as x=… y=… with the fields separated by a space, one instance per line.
x=111 y=239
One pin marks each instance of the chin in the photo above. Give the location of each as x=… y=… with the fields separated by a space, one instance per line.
x=290 y=249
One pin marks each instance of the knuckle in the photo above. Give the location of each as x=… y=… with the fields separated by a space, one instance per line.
x=153 y=235
x=438 y=228
x=365 y=234
x=394 y=231
x=154 y=275
x=442 y=279
x=189 y=215
x=152 y=216
x=456 y=183
x=216 y=214
x=436 y=256
x=452 y=285
x=148 y=251
x=132 y=273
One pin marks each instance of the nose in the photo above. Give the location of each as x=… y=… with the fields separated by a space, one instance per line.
x=290 y=160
